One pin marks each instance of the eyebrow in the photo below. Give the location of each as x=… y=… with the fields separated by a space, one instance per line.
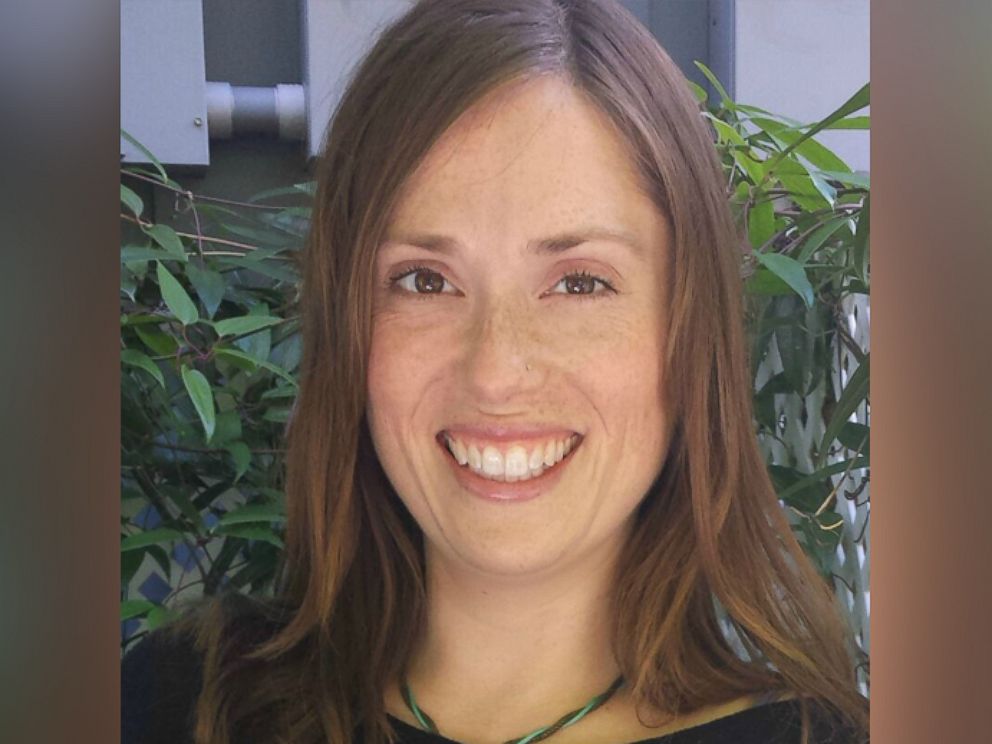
x=551 y=245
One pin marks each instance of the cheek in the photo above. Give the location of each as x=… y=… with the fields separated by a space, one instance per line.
x=403 y=360
x=620 y=353
x=623 y=376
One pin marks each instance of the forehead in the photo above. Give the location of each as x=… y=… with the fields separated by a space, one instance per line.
x=536 y=151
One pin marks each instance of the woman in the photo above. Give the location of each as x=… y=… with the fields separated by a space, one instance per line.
x=525 y=496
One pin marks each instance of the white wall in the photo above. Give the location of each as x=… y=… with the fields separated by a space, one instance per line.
x=337 y=34
x=804 y=58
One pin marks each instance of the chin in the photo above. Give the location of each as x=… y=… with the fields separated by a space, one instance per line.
x=509 y=558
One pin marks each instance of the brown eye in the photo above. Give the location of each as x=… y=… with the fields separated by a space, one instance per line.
x=579 y=284
x=582 y=284
x=423 y=281
x=428 y=282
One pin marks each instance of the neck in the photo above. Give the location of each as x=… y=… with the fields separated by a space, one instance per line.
x=540 y=645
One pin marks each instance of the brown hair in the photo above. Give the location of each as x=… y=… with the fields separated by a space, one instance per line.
x=710 y=534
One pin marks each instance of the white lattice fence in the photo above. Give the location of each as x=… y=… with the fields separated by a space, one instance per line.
x=801 y=427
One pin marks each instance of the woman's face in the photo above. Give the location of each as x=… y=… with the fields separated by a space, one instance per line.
x=516 y=392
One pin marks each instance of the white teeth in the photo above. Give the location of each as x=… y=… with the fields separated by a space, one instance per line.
x=516 y=462
x=492 y=462
x=513 y=465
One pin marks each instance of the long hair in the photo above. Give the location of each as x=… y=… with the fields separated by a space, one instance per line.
x=710 y=537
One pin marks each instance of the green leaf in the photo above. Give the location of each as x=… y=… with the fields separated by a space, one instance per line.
x=820 y=236
x=159 y=617
x=855 y=436
x=280 y=392
x=135 y=608
x=822 y=474
x=724 y=96
x=852 y=396
x=166 y=237
x=855 y=103
x=790 y=271
x=858 y=180
x=150 y=537
x=286 y=353
x=136 y=358
x=725 y=132
x=241 y=356
x=828 y=192
x=242 y=458
x=267 y=268
x=797 y=178
x=147 y=153
x=254 y=513
x=815 y=152
x=852 y=122
x=761 y=223
x=132 y=201
x=209 y=286
x=698 y=91
x=228 y=427
x=259 y=343
x=202 y=397
x=754 y=169
x=764 y=282
x=132 y=253
x=800 y=491
x=251 y=532
x=178 y=302
x=245 y=324
x=130 y=563
x=279 y=415
x=159 y=343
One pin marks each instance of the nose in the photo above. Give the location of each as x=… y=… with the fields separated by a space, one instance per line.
x=502 y=354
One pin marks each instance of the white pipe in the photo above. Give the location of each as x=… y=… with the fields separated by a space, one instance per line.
x=220 y=107
x=291 y=109
x=234 y=110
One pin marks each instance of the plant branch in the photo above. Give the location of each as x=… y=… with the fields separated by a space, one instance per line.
x=209 y=239
x=217 y=199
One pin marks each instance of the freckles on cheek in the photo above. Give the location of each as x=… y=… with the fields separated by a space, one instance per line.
x=403 y=356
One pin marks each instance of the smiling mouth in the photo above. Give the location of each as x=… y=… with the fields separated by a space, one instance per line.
x=512 y=463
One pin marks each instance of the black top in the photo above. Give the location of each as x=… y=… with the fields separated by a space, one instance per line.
x=161 y=676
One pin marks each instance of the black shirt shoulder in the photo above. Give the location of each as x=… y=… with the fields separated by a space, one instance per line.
x=161 y=678
x=772 y=723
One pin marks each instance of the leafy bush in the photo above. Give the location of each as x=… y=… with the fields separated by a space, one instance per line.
x=806 y=218
x=210 y=346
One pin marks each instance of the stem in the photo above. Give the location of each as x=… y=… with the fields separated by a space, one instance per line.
x=217 y=199
x=209 y=239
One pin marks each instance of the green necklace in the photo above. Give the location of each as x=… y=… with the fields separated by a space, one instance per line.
x=428 y=725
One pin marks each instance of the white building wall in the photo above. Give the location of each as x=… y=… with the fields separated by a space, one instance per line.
x=803 y=59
